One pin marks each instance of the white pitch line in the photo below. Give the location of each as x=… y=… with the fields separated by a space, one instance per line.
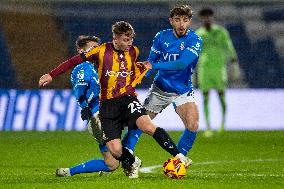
x=151 y=168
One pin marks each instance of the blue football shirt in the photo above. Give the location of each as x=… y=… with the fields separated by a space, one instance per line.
x=168 y=49
x=85 y=86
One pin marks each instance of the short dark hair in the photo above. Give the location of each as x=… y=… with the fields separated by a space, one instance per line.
x=82 y=40
x=122 y=27
x=206 y=12
x=181 y=10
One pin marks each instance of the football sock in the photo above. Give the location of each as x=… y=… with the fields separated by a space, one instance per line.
x=131 y=138
x=126 y=157
x=206 y=110
x=91 y=166
x=186 y=141
x=165 y=141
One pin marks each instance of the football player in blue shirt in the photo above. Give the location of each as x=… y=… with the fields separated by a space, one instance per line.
x=174 y=54
x=85 y=86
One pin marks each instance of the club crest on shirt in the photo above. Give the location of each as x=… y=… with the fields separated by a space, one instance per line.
x=182 y=47
x=80 y=74
x=122 y=65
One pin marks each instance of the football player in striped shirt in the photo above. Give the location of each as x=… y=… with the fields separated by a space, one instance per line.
x=85 y=86
x=119 y=74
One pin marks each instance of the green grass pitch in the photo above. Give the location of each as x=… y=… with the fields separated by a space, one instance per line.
x=247 y=159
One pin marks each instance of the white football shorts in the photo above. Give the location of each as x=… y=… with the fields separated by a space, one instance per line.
x=157 y=100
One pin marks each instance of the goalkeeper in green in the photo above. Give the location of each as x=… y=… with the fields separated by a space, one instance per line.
x=212 y=71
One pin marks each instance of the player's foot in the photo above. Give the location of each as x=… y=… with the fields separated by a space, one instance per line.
x=208 y=133
x=63 y=172
x=132 y=172
x=185 y=160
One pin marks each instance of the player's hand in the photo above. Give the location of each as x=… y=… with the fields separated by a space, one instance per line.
x=86 y=113
x=147 y=64
x=45 y=80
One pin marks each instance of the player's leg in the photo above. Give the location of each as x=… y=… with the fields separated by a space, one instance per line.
x=137 y=113
x=208 y=132
x=222 y=99
x=109 y=163
x=161 y=137
x=116 y=149
x=130 y=163
x=112 y=116
x=95 y=165
x=187 y=110
x=206 y=108
x=131 y=138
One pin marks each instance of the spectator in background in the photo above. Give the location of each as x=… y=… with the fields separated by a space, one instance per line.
x=212 y=72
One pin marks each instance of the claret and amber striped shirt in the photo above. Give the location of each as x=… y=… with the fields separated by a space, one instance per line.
x=118 y=71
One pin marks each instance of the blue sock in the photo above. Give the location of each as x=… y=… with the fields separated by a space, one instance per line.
x=186 y=141
x=131 y=138
x=90 y=166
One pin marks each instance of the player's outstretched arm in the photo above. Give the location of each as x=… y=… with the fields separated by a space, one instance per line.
x=62 y=68
x=185 y=60
x=45 y=80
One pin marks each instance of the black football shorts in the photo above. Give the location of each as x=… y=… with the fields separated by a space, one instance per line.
x=117 y=113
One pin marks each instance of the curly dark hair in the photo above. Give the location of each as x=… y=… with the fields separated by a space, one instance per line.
x=181 y=10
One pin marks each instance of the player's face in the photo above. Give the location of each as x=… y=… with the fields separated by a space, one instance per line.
x=180 y=24
x=207 y=21
x=88 y=46
x=123 y=42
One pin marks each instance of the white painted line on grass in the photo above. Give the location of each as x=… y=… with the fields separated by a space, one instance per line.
x=151 y=168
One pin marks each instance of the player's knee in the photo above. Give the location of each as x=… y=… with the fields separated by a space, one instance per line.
x=192 y=125
x=146 y=125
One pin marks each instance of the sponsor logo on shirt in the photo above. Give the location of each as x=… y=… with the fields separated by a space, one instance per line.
x=170 y=56
x=111 y=73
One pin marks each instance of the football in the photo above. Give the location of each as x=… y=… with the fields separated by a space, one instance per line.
x=174 y=168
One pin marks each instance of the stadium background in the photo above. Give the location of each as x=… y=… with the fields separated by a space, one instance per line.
x=35 y=36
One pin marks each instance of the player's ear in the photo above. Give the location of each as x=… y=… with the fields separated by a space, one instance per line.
x=171 y=20
x=79 y=50
x=114 y=37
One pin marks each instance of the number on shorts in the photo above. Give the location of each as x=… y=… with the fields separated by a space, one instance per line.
x=135 y=106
